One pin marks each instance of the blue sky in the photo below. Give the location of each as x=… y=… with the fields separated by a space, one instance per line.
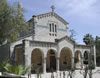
x=83 y=15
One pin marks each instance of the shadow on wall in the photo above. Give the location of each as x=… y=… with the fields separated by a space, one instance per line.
x=4 y=52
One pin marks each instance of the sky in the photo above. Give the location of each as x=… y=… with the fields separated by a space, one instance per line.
x=83 y=15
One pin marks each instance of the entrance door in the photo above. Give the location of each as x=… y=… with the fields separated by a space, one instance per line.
x=52 y=63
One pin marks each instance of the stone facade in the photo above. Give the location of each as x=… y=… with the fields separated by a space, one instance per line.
x=49 y=48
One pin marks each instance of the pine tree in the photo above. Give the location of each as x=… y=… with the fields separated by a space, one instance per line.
x=12 y=22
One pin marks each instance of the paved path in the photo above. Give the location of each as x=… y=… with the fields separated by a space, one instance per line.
x=76 y=74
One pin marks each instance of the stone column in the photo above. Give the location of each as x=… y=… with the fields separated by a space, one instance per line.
x=72 y=58
x=12 y=54
x=57 y=64
x=27 y=55
x=94 y=52
x=44 y=65
x=11 y=50
x=27 y=60
x=72 y=66
x=82 y=59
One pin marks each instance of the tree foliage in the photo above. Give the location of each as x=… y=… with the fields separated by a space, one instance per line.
x=12 y=22
x=88 y=39
x=97 y=42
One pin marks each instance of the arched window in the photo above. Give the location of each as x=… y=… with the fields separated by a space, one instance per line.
x=53 y=29
x=50 y=27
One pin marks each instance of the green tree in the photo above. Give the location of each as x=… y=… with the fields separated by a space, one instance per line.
x=88 y=39
x=12 y=22
x=97 y=43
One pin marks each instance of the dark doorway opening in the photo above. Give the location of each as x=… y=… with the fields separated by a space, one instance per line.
x=52 y=63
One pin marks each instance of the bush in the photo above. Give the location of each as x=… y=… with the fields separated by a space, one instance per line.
x=98 y=60
x=17 y=70
x=91 y=65
x=2 y=65
x=85 y=62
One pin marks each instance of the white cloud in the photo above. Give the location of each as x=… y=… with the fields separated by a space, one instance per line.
x=81 y=12
x=81 y=8
x=83 y=15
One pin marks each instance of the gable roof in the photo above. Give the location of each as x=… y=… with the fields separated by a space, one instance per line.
x=50 y=14
x=67 y=38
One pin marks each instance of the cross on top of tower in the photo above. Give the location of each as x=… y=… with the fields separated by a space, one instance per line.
x=52 y=7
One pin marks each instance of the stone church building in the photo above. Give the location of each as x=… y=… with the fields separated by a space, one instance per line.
x=49 y=48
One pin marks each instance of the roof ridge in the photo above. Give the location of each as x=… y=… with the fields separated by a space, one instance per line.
x=52 y=14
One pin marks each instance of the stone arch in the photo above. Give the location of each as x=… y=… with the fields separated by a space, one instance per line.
x=51 y=60
x=86 y=57
x=78 y=59
x=19 y=55
x=65 y=60
x=37 y=60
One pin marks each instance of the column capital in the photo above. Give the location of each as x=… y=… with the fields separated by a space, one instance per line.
x=26 y=43
x=26 y=54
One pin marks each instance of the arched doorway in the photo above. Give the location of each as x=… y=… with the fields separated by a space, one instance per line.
x=65 y=59
x=36 y=61
x=19 y=56
x=51 y=61
x=86 y=56
x=78 y=59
